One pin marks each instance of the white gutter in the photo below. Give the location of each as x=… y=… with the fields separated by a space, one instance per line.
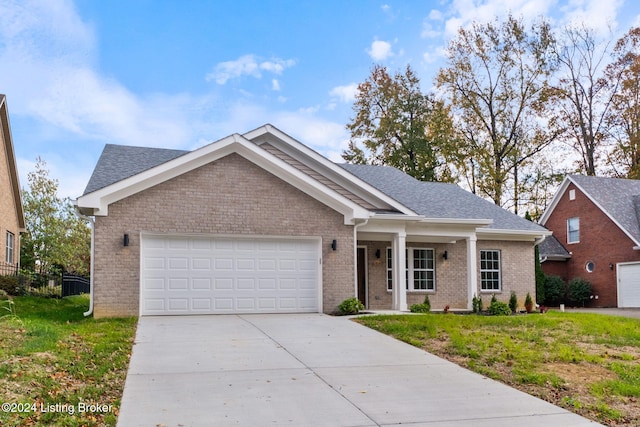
x=93 y=226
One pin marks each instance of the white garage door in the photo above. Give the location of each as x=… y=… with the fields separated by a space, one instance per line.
x=223 y=275
x=629 y=285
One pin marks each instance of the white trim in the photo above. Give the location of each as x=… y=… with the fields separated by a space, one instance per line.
x=472 y=270
x=572 y=242
x=618 y=265
x=348 y=180
x=100 y=200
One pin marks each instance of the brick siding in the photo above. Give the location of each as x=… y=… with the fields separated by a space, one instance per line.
x=8 y=214
x=229 y=196
x=517 y=264
x=601 y=241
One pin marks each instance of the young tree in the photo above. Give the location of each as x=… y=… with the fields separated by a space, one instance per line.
x=55 y=237
x=623 y=118
x=584 y=95
x=396 y=124
x=496 y=82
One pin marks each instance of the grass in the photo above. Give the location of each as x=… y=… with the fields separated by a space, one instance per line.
x=54 y=363
x=586 y=363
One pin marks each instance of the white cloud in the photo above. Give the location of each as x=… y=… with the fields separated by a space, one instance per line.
x=436 y=15
x=275 y=85
x=247 y=65
x=380 y=50
x=596 y=14
x=464 y=12
x=345 y=93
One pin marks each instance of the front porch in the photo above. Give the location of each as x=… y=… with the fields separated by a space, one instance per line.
x=442 y=261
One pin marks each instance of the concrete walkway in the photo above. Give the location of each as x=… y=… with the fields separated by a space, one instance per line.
x=307 y=370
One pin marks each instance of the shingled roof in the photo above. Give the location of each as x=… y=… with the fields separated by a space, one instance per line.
x=429 y=199
x=437 y=199
x=618 y=198
x=118 y=162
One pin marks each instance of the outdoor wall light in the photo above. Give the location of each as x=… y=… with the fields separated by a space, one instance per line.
x=610 y=266
x=126 y=240
x=334 y=245
x=445 y=255
x=378 y=253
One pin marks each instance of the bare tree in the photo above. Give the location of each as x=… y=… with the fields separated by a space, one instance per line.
x=584 y=95
x=496 y=83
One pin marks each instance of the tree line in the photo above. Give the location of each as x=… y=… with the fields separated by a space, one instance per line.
x=511 y=105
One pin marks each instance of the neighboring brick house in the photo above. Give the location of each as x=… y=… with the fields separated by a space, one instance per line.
x=596 y=236
x=11 y=213
x=261 y=223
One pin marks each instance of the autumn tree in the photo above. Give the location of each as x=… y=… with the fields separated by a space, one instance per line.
x=584 y=93
x=496 y=82
x=396 y=124
x=623 y=117
x=55 y=237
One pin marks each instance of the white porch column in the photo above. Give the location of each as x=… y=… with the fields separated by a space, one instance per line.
x=472 y=269
x=399 y=246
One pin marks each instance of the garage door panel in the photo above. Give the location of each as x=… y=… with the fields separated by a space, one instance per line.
x=629 y=285
x=196 y=275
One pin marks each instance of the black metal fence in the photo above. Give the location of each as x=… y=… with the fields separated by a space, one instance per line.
x=73 y=284
x=56 y=285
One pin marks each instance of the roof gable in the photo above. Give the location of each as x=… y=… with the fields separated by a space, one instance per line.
x=110 y=188
x=14 y=180
x=615 y=197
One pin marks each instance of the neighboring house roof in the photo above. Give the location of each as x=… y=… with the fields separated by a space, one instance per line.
x=11 y=158
x=380 y=190
x=552 y=250
x=615 y=197
x=437 y=199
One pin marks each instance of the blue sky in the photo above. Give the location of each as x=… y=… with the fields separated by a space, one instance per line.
x=180 y=74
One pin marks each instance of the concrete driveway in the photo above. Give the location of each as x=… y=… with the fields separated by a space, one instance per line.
x=307 y=370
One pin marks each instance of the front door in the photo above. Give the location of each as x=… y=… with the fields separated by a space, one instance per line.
x=362 y=275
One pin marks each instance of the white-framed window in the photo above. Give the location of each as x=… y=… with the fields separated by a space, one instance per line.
x=573 y=230
x=490 y=270
x=420 y=269
x=9 y=252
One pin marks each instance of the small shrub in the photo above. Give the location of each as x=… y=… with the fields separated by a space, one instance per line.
x=3 y=295
x=579 y=291
x=420 y=308
x=475 y=304
x=493 y=299
x=528 y=303
x=498 y=308
x=513 y=302
x=554 y=290
x=480 y=305
x=350 y=306
x=12 y=286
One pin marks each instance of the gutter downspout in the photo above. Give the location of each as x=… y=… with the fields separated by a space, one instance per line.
x=93 y=227
x=355 y=254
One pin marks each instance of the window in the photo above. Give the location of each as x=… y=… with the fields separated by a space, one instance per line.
x=573 y=230
x=420 y=269
x=590 y=266
x=9 y=247
x=490 y=270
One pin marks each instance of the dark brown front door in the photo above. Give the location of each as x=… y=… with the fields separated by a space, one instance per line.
x=362 y=275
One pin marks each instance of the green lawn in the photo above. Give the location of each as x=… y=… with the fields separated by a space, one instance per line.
x=586 y=363
x=55 y=363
